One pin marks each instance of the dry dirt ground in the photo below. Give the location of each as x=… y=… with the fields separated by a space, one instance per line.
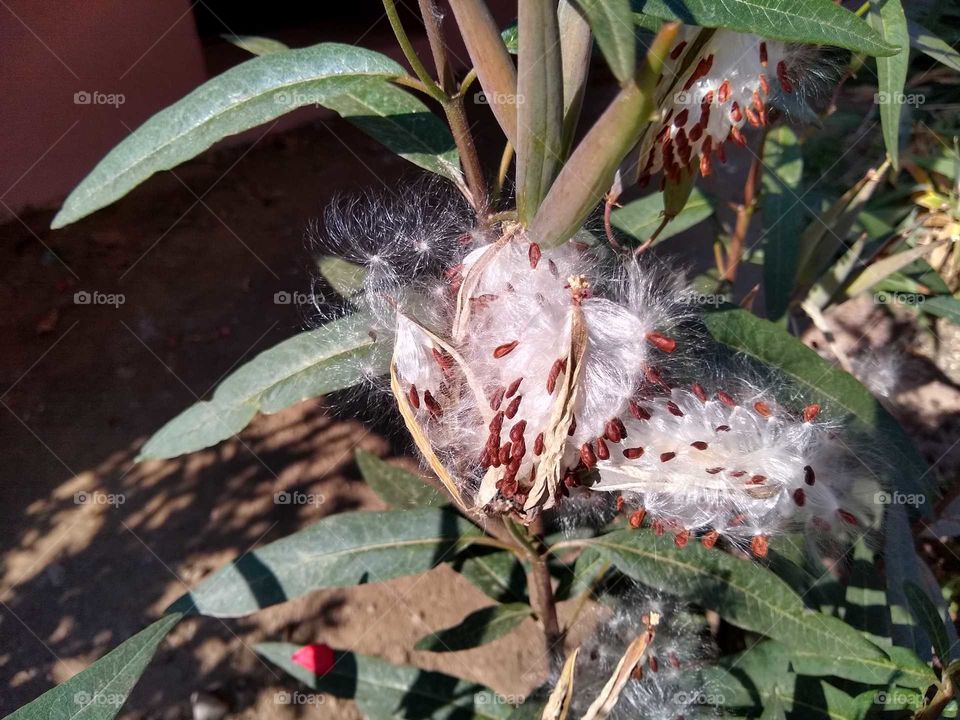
x=84 y=385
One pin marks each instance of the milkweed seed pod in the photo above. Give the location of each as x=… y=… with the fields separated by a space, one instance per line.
x=728 y=461
x=709 y=92
x=525 y=374
x=667 y=682
x=544 y=350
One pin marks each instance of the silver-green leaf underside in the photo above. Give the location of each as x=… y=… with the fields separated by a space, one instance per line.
x=339 y=551
x=336 y=356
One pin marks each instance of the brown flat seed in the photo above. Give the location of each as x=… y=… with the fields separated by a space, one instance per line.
x=848 y=517
x=699 y=392
x=505 y=451
x=637 y=517
x=799 y=497
x=538 y=445
x=513 y=407
x=667 y=456
x=710 y=539
x=726 y=399
x=738 y=473
x=555 y=371
x=497 y=399
x=723 y=428
x=519 y=449
x=516 y=432
x=714 y=470
x=414 y=397
x=759 y=545
x=442 y=359
x=809 y=477
x=632 y=453
x=654 y=377
x=620 y=427
x=496 y=425
x=699 y=445
x=810 y=412
x=432 y=405
x=658 y=527
x=758 y=479
x=603 y=452
x=674 y=409
x=587 y=455
x=611 y=432
x=534 y=255
x=653 y=664
x=514 y=386
x=553 y=268
x=620 y=503
x=674 y=660
x=680 y=540
x=762 y=408
x=505 y=349
x=638 y=411
x=660 y=341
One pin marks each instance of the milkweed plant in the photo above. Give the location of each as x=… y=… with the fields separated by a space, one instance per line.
x=608 y=438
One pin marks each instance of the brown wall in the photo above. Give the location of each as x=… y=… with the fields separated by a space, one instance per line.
x=143 y=50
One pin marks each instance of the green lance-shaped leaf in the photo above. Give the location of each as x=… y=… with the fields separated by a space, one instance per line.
x=749 y=596
x=491 y=60
x=928 y=617
x=395 y=486
x=576 y=46
x=476 y=629
x=496 y=573
x=383 y=690
x=838 y=392
x=254 y=44
x=640 y=218
x=782 y=217
x=891 y=23
x=612 y=25
x=750 y=682
x=99 y=691
x=336 y=356
x=338 y=551
x=932 y=46
x=944 y=306
x=256 y=92
x=804 y=21
x=589 y=172
x=539 y=104
x=345 y=277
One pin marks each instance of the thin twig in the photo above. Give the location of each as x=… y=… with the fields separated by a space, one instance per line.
x=435 y=91
x=744 y=214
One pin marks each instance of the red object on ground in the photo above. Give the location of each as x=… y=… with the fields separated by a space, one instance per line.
x=317 y=658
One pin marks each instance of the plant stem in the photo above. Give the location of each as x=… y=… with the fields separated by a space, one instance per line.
x=541 y=594
x=445 y=94
x=744 y=215
x=403 y=39
x=431 y=23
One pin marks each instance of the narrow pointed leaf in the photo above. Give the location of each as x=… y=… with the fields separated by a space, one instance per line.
x=804 y=21
x=384 y=691
x=749 y=596
x=395 y=486
x=782 y=217
x=932 y=46
x=339 y=551
x=496 y=573
x=250 y=94
x=333 y=357
x=99 y=691
x=612 y=25
x=476 y=629
x=890 y=22
x=254 y=44
x=640 y=218
x=927 y=617
x=540 y=104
